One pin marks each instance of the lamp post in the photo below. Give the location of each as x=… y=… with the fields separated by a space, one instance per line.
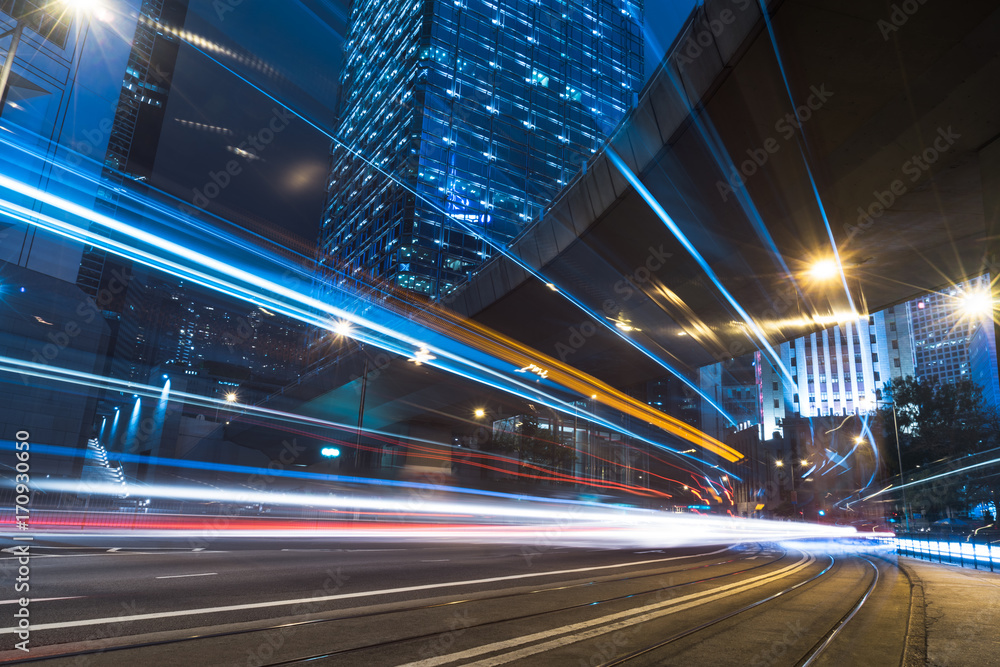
x=899 y=457
x=231 y=397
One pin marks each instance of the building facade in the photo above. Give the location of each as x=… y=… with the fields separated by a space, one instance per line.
x=481 y=110
x=838 y=371
x=943 y=331
x=983 y=363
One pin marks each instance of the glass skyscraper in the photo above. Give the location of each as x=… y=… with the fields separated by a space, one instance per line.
x=481 y=110
x=942 y=332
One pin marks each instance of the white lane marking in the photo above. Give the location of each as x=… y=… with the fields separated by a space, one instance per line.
x=339 y=596
x=180 y=576
x=111 y=551
x=33 y=600
x=605 y=624
x=436 y=560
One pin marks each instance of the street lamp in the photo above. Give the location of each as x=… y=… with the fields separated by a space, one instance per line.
x=230 y=397
x=824 y=269
x=480 y=413
x=977 y=303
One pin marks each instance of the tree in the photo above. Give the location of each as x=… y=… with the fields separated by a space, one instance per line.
x=935 y=421
x=938 y=424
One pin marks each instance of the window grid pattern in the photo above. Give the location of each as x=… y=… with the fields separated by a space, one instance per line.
x=485 y=108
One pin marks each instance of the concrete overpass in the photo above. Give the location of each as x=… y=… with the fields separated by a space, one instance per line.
x=892 y=108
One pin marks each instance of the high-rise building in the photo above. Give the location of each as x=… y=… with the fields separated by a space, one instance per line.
x=135 y=132
x=983 y=363
x=482 y=110
x=942 y=331
x=133 y=138
x=731 y=386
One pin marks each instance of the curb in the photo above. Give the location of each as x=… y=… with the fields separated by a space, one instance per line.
x=915 y=650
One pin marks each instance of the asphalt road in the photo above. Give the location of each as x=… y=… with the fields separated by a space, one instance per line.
x=102 y=601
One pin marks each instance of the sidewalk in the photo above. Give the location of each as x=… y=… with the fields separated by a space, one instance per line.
x=960 y=613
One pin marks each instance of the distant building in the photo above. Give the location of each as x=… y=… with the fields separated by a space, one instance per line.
x=942 y=332
x=983 y=363
x=135 y=131
x=673 y=397
x=838 y=371
x=732 y=386
x=159 y=319
x=483 y=110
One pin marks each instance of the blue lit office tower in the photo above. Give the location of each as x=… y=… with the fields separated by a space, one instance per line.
x=942 y=331
x=484 y=109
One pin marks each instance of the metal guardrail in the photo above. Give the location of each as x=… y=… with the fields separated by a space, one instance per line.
x=976 y=554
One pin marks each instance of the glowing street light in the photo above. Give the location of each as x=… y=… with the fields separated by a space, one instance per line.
x=342 y=328
x=825 y=269
x=978 y=303
x=779 y=464
x=480 y=413
x=804 y=462
x=231 y=397
x=28 y=15
x=422 y=356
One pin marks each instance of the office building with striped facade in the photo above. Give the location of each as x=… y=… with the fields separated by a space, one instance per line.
x=837 y=371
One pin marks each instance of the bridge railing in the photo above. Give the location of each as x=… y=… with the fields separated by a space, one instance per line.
x=977 y=555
